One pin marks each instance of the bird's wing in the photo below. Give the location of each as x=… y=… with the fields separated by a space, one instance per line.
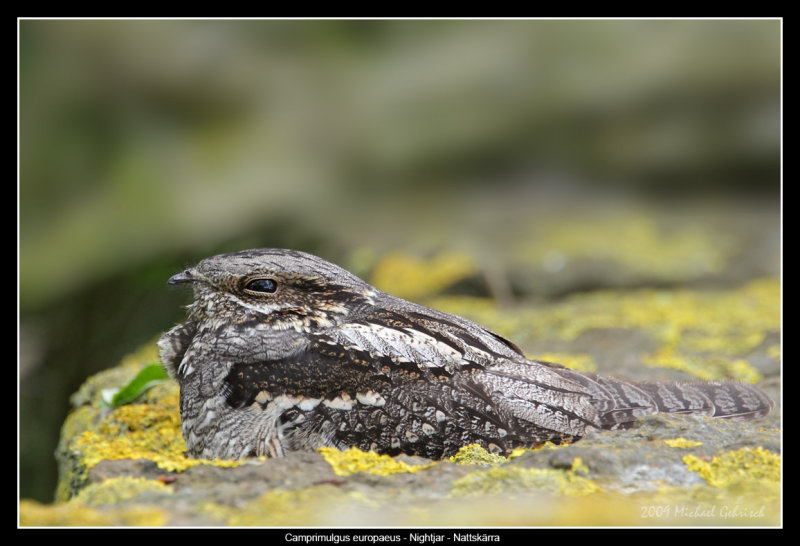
x=490 y=371
x=173 y=345
x=417 y=336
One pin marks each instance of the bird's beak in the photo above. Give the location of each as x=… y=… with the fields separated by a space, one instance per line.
x=182 y=277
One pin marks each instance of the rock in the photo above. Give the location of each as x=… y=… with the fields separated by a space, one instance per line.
x=126 y=465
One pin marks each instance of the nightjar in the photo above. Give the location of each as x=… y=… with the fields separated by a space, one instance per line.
x=285 y=351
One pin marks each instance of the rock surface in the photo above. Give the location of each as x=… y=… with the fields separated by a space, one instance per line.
x=125 y=466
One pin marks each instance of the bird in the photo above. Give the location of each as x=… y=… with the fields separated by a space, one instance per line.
x=284 y=351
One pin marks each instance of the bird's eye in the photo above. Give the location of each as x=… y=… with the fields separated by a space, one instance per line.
x=261 y=286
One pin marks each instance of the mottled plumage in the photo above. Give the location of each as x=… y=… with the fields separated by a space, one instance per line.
x=285 y=351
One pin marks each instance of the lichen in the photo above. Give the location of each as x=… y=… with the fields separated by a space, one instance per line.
x=747 y=467
x=578 y=466
x=505 y=479
x=75 y=514
x=644 y=246
x=353 y=461
x=682 y=442
x=148 y=430
x=774 y=351
x=710 y=368
x=475 y=454
x=511 y=479
x=576 y=361
x=741 y=487
x=117 y=489
x=302 y=507
x=708 y=334
x=410 y=277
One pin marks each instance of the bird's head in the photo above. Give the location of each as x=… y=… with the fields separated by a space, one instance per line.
x=276 y=288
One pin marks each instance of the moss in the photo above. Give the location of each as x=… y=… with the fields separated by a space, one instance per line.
x=33 y=514
x=114 y=490
x=409 y=277
x=681 y=442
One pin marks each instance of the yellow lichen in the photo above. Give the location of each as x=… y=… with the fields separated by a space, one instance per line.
x=642 y=245
x=216 y=511
x=708 y=334
x=681 y=442
x=117 y=489
x=353 y=461
x=774 y=351
x=578 y=466
x=475 y=454
x=512 y=479
x=742 y=487
x=517 y=451
x=747 y=466
x=709 y=368
x=148 y=430
x=34 y=514
x=707 y=505
x=409 y=277
x=302 y=507
x=577 y=361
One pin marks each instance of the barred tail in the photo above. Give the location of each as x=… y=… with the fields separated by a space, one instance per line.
x=718 y=399
x=558 y=398
x=722 y=400
x=619 y=402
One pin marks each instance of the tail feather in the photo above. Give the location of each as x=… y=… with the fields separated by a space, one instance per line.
x=721 y=400
x=738 y=401
x=630 y=402
x=564 y=400
x=619 y=402
x=685 y=398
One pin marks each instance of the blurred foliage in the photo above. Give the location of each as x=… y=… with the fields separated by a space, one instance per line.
x=143 y=138
x=506 y=155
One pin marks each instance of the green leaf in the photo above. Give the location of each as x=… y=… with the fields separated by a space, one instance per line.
x=148 y=377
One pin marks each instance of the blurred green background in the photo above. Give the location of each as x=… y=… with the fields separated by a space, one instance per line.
x=504 y=146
